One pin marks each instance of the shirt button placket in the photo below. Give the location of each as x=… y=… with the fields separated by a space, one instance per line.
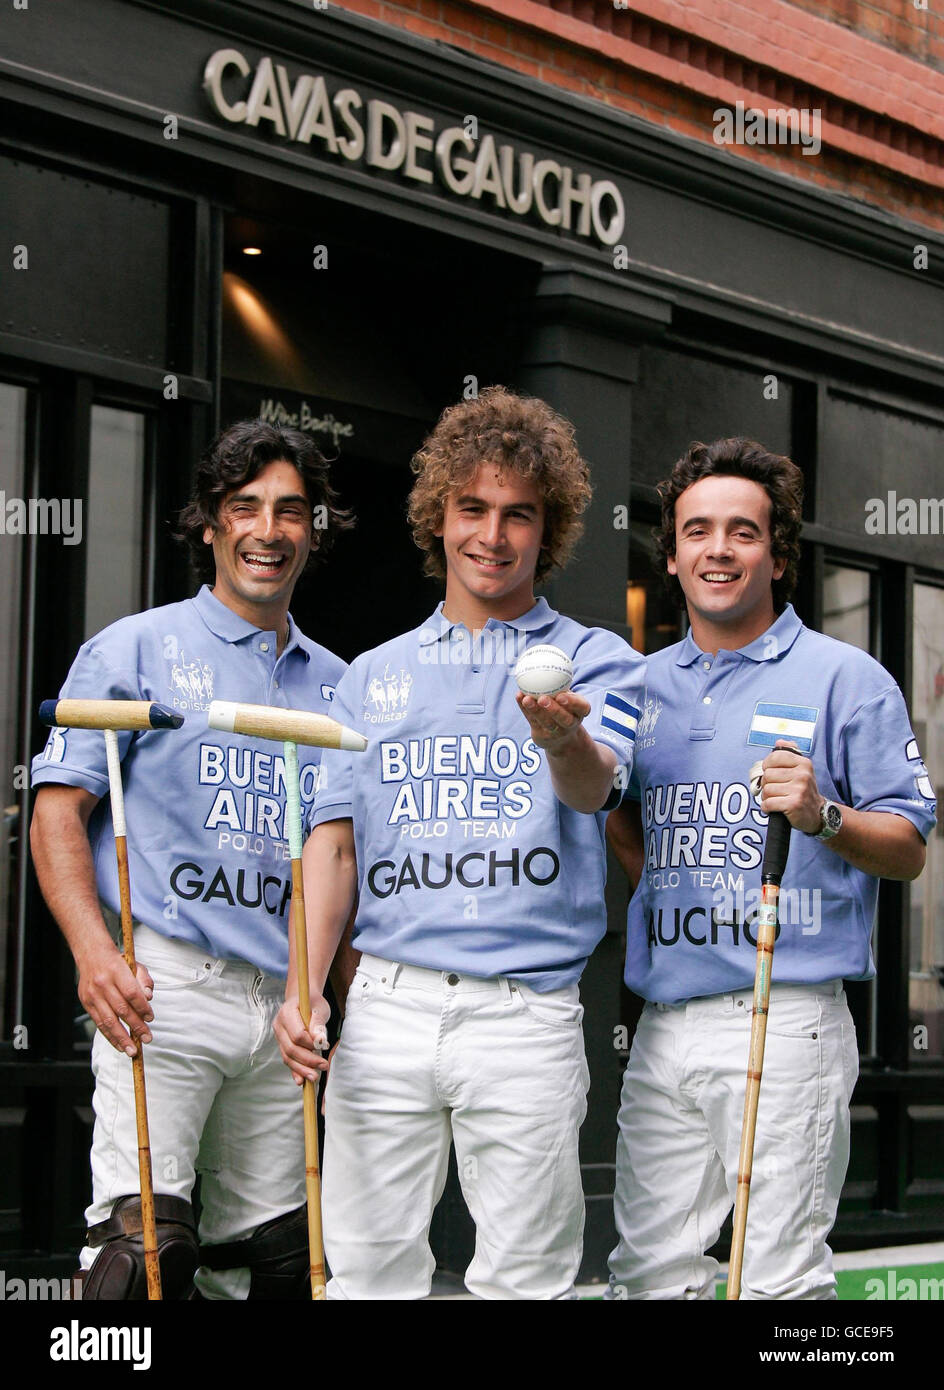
x=705 y=713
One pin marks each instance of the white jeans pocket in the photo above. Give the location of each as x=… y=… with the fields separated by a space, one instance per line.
x=170 y=974
x=792 y=1016
x=559 y=1008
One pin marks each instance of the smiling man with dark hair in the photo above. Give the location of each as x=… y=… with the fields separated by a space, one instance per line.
x=210 y=887
x=749 y=682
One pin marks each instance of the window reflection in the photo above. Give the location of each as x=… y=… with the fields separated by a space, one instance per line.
x=652 y=615
x=847 y=608
x=115 y=522
x=846 y=605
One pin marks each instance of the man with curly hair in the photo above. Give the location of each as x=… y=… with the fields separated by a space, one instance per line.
x=749 y=682
x=210 y=883
x=472 y=829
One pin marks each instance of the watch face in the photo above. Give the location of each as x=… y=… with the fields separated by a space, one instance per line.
x=832 y=816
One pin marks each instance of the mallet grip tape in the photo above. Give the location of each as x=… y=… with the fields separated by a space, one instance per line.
x=776 y=848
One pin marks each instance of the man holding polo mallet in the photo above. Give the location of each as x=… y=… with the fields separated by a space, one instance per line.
x=472 y=828
x=210 y=885
x=841 y=763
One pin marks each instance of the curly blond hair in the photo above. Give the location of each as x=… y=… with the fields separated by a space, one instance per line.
x=514 y=432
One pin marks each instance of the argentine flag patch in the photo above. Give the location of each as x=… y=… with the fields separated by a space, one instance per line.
x=793 y=722
x=620 y=716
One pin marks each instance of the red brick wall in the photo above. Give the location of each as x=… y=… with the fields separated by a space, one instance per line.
x=674 y=63
x=896 y=23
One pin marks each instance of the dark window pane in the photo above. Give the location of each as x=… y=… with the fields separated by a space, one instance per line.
x=680 y=398
x=926 y=991
x=12 y=554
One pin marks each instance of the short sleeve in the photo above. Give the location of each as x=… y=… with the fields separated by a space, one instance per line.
x=335 y=794
x=882 y=766
x=612 y=676
x=76 y=757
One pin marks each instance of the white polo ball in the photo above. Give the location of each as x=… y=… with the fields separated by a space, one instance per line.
x=544 y=670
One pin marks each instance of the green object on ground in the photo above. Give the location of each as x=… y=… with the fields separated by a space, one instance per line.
x=901 y=1283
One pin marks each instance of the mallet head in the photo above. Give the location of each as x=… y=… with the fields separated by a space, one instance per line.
x=108 y=714
x=294 y=725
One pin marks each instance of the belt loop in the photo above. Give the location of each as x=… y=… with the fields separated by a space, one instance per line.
x=838 y=988
x=392 y=977
x=504 y=984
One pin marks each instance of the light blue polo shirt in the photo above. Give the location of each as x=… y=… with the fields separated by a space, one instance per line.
x=208 y=853
x=705 y=720
x=467 y=860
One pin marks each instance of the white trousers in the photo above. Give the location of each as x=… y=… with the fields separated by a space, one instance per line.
x=426 y=1057
x=219 y=1100
x=680 y=1121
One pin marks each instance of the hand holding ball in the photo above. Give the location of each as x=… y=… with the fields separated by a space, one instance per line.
x=544 y=670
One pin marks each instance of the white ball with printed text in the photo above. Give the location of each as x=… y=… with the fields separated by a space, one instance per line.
x=544 y=670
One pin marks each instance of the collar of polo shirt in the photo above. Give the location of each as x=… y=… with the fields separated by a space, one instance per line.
x=536 y=618
x=224 y=623
x=775 y=642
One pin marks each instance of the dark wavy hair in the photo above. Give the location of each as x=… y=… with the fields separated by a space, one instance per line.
x=236 y=456
x=742 y=458
x=520 y=433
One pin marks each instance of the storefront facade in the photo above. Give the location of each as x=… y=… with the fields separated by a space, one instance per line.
x=428 y=223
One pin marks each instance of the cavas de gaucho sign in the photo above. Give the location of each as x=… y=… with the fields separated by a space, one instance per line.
x=380 y=135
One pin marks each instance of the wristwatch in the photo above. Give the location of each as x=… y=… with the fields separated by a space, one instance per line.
x=830 y=817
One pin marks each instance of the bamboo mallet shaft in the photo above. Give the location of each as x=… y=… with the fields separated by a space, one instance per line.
x=152 y=1267
x=776 y=849
x=293 y=819
x=294 y=726
x=112 y=716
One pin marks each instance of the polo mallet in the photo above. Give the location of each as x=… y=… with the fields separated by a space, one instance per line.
x=295 y=726
x=110 y=716
x=776 y=848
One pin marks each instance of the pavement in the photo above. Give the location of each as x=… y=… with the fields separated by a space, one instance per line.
x=896 y=1273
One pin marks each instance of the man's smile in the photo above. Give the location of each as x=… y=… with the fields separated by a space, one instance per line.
x=487 y=561
x=262 y=562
